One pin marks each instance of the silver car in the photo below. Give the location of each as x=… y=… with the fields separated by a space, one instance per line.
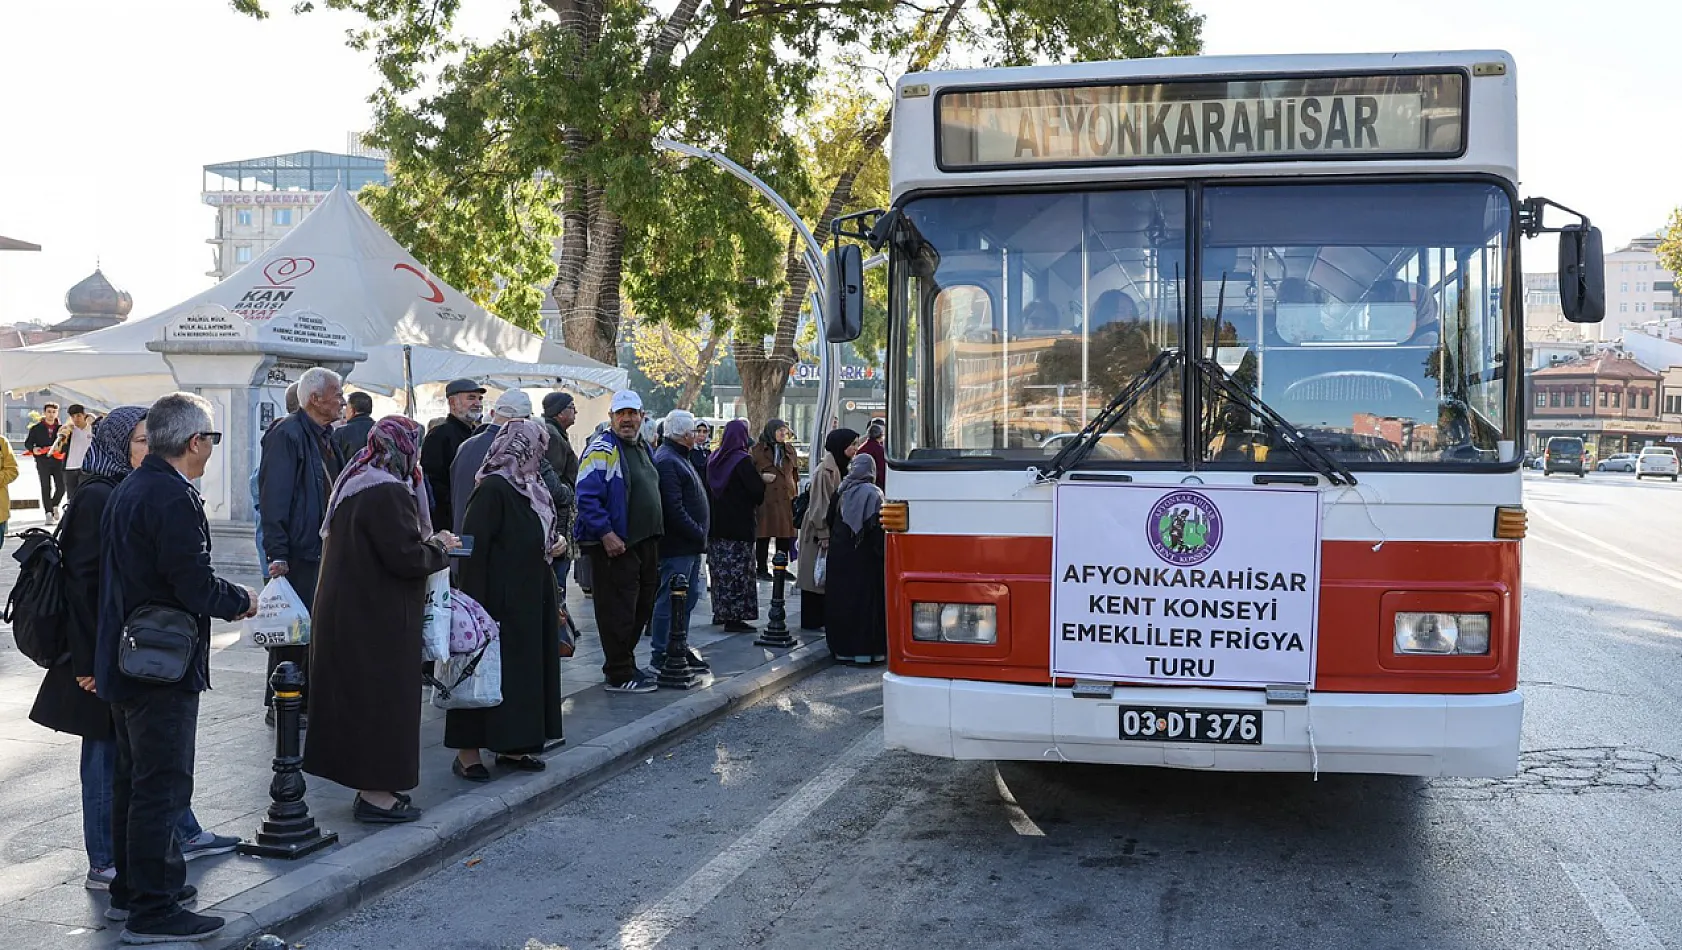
x=1622 y=462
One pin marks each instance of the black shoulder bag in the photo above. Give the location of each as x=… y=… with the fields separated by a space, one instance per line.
x=158 y=644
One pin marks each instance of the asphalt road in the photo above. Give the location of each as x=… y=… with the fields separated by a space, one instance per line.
x=786 y=826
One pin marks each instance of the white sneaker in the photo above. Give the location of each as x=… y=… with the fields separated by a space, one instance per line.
x=52 y=517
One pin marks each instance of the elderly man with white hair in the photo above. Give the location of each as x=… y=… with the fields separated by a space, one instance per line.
x=295 y=476
x=683 y=502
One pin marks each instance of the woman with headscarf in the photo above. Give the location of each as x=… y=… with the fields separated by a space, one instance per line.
x=839 y=448
x=736 y=490
x=66 y=701
x=511 y=519
x=778 y=468
x=858 y=631
x=378 y=550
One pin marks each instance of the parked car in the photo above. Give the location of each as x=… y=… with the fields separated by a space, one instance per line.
x=1658 y=460
x=1622 y=462
x=1565 y=454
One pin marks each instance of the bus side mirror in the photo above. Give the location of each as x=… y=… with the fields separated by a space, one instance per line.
x=1582 y=275
x=844 y=308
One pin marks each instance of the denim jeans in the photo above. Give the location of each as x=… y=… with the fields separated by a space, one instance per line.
x=99 y=772
x=660 y=628
x=156 y=732
x=563 y=567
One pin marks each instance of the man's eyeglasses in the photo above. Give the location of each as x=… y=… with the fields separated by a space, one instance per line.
x=214 y=437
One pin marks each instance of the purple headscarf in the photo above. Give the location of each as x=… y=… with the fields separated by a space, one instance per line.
x=516 y=454
x=732 y=449
x=391 y=455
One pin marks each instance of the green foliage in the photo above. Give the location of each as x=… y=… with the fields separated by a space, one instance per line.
x=1670 y=249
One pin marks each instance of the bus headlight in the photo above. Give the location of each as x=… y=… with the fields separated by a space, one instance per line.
x=1442 y=634
x=955 y=623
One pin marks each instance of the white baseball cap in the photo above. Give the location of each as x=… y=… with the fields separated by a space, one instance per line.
x=626 y=399
x=513 y=404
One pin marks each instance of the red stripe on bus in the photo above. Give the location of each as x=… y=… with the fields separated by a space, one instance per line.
x=1360 y=591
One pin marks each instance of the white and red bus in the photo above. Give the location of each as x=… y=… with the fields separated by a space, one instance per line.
x=1205 y=406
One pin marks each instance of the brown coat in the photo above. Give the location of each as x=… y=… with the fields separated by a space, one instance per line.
x=365 y=643
x=776 y=514
x=814 y=532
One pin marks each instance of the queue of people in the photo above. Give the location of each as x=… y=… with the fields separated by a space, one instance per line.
x=357 y=514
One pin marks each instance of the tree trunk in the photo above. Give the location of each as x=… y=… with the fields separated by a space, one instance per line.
x=703 y=364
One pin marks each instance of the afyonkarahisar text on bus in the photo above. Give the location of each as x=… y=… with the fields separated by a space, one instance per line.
x=1170 y=584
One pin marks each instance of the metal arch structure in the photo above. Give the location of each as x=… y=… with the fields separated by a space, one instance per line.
x=829 y=354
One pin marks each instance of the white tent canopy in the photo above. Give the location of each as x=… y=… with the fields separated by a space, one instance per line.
x=340 y=264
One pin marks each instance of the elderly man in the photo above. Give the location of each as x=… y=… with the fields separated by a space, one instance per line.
x=560 y=411
x=444 y=437
x=683 y=504
x=619 y=526
x=300 y=462
x=352 y=437
x=155 y=551
x=464 y=471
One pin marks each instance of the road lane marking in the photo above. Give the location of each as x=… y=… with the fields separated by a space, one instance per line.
x=1597 y=542
x=648 y=928
x=1624 y=926
x=1624 y=569
x=1019 y=820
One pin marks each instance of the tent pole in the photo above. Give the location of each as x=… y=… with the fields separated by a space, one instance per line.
x=408 y=382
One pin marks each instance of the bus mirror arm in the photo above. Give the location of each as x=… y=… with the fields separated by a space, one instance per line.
x=1582 y=268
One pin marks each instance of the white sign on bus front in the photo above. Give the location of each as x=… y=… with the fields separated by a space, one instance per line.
x=1179 y=584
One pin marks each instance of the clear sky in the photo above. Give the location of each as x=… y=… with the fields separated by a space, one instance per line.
x=110 y=108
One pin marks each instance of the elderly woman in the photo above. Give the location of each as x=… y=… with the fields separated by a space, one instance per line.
x=365 y=640
x=858 y=623
x=66 y=701
x=778 y=468
x=512 y=520
x=839 y=449
x=736 y=490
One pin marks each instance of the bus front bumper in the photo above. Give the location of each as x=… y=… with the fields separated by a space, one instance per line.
x=1383 y=733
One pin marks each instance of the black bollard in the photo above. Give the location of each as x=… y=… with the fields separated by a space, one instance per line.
x=676 y=672
x=776 y=625
x=288 y=831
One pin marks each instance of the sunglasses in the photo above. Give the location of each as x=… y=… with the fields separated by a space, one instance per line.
x=214 y=437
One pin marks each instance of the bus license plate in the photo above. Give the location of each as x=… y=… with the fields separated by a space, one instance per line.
x=1191 y=725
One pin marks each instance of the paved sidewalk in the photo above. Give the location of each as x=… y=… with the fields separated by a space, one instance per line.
x=43 y=905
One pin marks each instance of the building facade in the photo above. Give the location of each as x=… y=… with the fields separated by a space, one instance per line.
x=258 y=201
x=1610 y=401
x=1638 y=288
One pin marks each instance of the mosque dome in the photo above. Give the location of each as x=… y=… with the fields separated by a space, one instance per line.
x=95 y=304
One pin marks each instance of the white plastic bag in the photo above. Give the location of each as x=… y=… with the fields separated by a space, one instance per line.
x=820 y=568
x=471 y=681
x=282 y=620
x=435 y=622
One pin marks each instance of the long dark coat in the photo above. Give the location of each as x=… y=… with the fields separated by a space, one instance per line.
x=509 y=575
x=365 y=643
x=856 y=621
x=776 y=515
x=61 y=705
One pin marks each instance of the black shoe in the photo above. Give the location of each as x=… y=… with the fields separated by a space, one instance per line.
x=399 y=813
x=697 y=664
x=268 y=718
x=184 y=927
x=473 y=773
x=765 y=576
x=118 y=910
x=737 y=626
x=522 y=763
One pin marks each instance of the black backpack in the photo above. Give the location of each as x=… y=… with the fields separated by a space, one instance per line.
x=36 y=608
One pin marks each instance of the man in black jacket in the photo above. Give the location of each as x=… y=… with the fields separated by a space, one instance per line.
x=443 y=437
x=295 y=477
x=683 y=502
x=559 y=413
x=49 y=464
x=156 y=550
x=352 y=437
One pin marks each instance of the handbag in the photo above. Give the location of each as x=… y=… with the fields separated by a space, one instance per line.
x=158 y=644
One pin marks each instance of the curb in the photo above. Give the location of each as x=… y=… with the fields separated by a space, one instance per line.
x=345 y=878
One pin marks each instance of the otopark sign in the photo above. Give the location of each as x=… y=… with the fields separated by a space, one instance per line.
x=1215 y=586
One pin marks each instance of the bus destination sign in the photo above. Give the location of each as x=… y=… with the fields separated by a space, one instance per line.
x=1239 y=120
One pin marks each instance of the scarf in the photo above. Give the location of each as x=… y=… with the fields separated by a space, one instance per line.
x=108 y=452
x=837 y=445
x=732 y=449
x=768 y=438
x=516 y=454
x=391 y=455
x=861 y=500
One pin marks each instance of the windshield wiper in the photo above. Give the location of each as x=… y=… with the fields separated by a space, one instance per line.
x=1300 y=445
x=1087 y=438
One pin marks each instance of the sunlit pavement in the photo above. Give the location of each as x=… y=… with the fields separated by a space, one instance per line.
x=787 y=826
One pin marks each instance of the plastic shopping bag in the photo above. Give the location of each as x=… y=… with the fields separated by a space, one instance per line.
x=471 y=681
x=820 y=568
x=282 y=620
x=437 y=619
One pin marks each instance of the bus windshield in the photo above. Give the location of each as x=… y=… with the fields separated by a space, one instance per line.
x=1372 y=316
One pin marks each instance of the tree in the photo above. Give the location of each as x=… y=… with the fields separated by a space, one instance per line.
x=1670 y=249
x=676 y=358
